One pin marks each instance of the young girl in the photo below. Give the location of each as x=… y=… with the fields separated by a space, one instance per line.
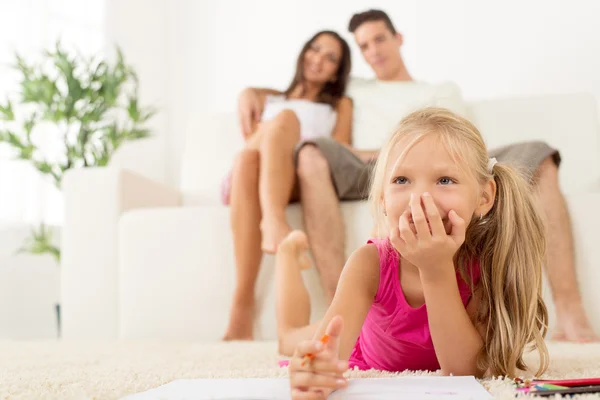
x=263 y=178
x=454 y=281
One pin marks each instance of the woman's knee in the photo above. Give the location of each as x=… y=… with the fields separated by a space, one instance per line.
x=282 y=124
x=312 y=164
x=287 y=118
x=281 y=132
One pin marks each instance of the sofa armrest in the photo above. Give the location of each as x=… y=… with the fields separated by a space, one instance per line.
x=95 y=198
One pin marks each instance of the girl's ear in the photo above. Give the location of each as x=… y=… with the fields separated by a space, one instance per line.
x=488 y=197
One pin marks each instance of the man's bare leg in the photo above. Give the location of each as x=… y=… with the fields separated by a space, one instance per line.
x=293 y=302
x=322 y=217
x=573 y=324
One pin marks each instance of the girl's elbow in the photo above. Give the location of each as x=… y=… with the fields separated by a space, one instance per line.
x=462 y=370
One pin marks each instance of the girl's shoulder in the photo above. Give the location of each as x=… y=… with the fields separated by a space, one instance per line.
x=368 y=254
x=364 y=263
x=385 y=250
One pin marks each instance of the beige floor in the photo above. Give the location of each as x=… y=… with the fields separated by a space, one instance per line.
x=102 y=370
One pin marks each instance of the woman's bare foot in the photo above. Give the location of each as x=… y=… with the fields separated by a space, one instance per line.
x=273 y=232
x=241 y=322
x=296 y=244
x=573 y=326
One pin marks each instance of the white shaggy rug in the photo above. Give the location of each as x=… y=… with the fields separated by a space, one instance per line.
x=111 y=370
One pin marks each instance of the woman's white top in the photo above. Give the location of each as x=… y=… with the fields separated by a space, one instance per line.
x=316 y=119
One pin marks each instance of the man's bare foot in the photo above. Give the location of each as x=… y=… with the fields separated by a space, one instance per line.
x=241 y=323
x=273 y=232
x=296 y=244
x=573 y=326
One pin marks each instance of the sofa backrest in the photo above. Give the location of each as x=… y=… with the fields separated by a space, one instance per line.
x=568 y=122
x=208 y=155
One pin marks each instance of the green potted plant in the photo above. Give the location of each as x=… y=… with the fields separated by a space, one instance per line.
x=93 y=106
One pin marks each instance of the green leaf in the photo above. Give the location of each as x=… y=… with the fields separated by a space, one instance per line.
x=40 y=90
x=138 y=133
x=22 y=66
x=147 y=114
x=29 y=124
x=48 y=169
x=132 y=110
x=12 y=139
x=43 y=166
x=27 y=152
x=40 y=242
x=75 y=90
x=6 y=112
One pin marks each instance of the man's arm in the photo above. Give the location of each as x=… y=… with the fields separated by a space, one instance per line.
x=342 y=132
x=365 y=155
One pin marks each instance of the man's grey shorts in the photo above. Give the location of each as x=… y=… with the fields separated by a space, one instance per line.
x=352 y=177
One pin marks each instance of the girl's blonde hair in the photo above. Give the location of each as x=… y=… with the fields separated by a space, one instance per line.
x=508 y=243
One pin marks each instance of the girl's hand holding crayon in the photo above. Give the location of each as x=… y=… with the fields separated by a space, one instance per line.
x=429 y=245
x=316 y=370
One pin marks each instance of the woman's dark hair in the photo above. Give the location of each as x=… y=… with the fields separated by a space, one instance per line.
x=332 y=92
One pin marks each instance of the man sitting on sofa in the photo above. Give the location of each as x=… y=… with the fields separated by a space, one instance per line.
x=329 y=172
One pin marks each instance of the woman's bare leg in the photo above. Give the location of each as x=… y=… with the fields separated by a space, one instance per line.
x=278 y=139
x=245 y=220
x=292 y=300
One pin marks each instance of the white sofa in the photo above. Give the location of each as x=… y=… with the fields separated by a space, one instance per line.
x=141 y=260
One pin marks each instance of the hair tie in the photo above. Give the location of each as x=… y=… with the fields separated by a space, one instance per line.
x=491 y=162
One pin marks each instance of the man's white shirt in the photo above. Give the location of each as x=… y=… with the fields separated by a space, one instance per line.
x=379 y=106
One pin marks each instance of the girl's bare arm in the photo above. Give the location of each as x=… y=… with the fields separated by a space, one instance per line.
x=456 y=338
x=354 y=296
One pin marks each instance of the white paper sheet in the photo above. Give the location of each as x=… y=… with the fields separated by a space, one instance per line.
x=412 y=387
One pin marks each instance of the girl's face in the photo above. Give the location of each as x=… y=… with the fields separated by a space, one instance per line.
x=322 y=59
x=428 y=167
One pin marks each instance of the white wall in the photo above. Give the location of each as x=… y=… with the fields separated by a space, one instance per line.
x=139 y=28
x=489 y=48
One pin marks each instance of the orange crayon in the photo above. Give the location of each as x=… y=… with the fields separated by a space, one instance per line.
x=310 y=356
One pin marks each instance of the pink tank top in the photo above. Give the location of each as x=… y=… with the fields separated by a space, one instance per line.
x=396 y=336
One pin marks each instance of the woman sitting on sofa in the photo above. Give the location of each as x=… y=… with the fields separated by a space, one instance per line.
x=263 y=179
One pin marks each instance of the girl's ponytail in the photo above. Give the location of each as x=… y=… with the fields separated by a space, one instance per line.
x=509 y=243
